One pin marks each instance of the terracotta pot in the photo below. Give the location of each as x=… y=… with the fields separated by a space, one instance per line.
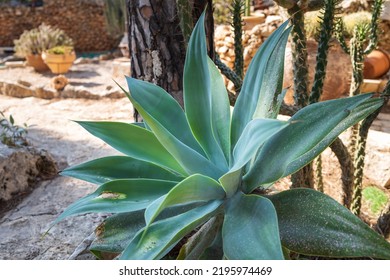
x=59 y=63
x=36 y=61
x=376 y=64
x=252 y=21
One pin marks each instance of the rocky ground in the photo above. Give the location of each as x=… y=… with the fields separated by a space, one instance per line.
x=51 y=128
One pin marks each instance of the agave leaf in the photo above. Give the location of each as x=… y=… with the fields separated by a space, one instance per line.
x=197 y=89
x=197 y=245
x=119 y=196
x=254 y=135
x=110 y=168
x=116 y=232
x=113 y=235
x=249 y=98
x=361 y=112
x=192 y=161
x=312 y=223
x=220 y=110
x=250 y=229
x=313 y=129
x=164 y=108
x=162 y=235
x=133 y=141
x=196 y=188
x=271 y=94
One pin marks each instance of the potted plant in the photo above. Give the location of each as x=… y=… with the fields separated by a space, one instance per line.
x=59 y=59
x=33 y=42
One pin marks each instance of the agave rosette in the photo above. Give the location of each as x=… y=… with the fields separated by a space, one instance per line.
x=198 y=168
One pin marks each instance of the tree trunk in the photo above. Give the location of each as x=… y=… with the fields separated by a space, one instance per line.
x=156 y=44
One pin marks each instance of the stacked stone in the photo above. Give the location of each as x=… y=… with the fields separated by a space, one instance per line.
x=83 y=21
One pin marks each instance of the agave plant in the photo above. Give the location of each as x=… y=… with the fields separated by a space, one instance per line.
x=197 y=177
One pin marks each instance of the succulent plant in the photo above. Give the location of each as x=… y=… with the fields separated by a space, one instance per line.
x=40 y=39
x=204 y=169
x=60 y=50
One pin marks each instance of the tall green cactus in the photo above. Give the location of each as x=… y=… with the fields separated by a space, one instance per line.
x=238 y=6
x=237 y=74
x=358 y=51
x=325 y=35
x=184 y=10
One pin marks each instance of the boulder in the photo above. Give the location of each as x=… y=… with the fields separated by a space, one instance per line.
x=20 y=169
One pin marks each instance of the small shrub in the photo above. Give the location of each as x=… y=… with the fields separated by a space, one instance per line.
x=60 y=50
x=375 y=198
x=10 y=133
x=40 y=39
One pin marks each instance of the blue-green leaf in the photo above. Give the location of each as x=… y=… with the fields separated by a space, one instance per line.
x=164 y=108
x=249 y=98
x=110 y=168
x=271 y=94
x=220 y=110
x=202 y=243
x=196 y=188
x=162 y=236
x=133 y=141
x=361 y=112
x=312 y=223
x=116 y=232
x=312 y=129
x=119 y=196
x=254 y=135
x=250 y=229
x=198 y=95
x=113 y=235
x=192 y=161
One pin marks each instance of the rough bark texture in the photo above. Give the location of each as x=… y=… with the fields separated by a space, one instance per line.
x=156 y=44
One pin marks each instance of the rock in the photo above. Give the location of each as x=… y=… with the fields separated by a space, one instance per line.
x=386 y=11
x=59 y=82
x=273 y=19
x=24 y=83
x=377 y=161
x=14 y=64
x=45 y=92
x=15 y=90
x=121 y=67
x=20 y=169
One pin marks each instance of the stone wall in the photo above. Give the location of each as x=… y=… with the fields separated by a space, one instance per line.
x=82 y=20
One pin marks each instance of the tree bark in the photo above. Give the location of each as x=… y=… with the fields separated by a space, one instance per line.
x=156 y=44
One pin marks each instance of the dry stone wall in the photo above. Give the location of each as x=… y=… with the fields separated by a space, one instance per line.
x=83 y=21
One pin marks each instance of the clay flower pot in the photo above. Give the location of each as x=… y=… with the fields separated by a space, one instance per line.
x=59 y=63
x=36 y=61
x=376 y=64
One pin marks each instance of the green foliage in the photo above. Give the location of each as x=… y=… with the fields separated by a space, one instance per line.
x=60 y=50
x=204 y=170
x=10 y=133
x=40 y=39
x=375 y=198
x=115 y=15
